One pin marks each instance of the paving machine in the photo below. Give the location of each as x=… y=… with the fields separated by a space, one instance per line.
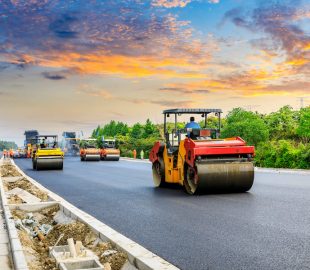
x=70 y=144
x=109 y=150
x=198 y=160
x=46 y=155
x=89 y=151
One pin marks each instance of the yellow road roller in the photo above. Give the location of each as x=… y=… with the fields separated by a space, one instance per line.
x=197 y=159
x=46 y=155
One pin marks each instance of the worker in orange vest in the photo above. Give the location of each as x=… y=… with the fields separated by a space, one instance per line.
x=134 y=153
x=11 y=153
x=4 y=153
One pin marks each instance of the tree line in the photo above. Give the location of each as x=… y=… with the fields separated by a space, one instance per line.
x=7 y=145
x=281 y=138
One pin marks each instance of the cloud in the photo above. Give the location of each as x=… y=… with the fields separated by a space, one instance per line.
x=177 y=3
x=170 y=3
x=3 y=66
x=184 y=90
x=62 y=27
x=278 y=21
x=22 y=62
x=94 y=92
x=75 y=123
x=5 y=93
x=53 y=76
x=172 y=103
x=136 y=39
x=283 y=55
x=160 y=102
x=115 y=37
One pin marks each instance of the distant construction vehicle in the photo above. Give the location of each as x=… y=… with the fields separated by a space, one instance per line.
x=30 y=136
x=109 y=150
x=198 y=160
x=46 y=155
x=89 y=150
x=69 y=144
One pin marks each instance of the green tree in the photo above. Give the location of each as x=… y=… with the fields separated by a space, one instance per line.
x=247 y=125
x=137 y=131
x=303 y=129
x=150 y=130
x=283 y=123
x=7 y=145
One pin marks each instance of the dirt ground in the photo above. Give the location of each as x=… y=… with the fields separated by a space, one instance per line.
x=36 y=251
x=14 y=199
x=8 y=170
x=116 y=260
x=26 y=185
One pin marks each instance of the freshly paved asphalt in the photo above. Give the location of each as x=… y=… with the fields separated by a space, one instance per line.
x=266 y=228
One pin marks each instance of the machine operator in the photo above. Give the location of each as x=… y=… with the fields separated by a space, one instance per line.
x=193 y=125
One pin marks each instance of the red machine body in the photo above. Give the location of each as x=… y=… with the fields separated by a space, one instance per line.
x=235 y=147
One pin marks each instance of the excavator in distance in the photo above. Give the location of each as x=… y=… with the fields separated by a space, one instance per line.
x=198 y=160
x=70 y=143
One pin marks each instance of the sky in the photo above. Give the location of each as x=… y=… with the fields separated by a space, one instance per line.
x=70 y=65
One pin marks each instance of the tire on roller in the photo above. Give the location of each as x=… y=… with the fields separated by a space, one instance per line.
x=219 y=177
x=158 y=169
x=49 y=164
x=92 y=157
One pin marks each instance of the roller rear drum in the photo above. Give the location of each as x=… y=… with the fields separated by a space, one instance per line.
x=111 y=157
x=49 y=164
x=92 y=157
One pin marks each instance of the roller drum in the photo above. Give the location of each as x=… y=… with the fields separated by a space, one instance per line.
x=111 y=157
x=92 y=157
x=49 y=164
x=220 y=177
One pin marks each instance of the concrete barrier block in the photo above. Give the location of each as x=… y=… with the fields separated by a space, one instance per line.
x=19 y=260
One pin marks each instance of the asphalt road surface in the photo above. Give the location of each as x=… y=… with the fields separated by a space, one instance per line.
x=266 y=228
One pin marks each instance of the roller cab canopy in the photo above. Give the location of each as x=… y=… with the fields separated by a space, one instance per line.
x=46 y=141
x=191 y=111
x=176 y=134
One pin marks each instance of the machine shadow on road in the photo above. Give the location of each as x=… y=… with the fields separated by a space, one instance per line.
x=174 y=190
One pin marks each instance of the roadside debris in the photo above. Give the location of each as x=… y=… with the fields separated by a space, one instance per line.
x=52 y=240
x=12 y=178
x=24 y=195
x=9 y=170
x=116 y=259
x=24 y=184
x=43 y=239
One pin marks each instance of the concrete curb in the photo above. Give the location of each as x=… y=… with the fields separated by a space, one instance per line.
x=285 y=171
x=16 y=248
x=135 y=160
x=138 y=256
